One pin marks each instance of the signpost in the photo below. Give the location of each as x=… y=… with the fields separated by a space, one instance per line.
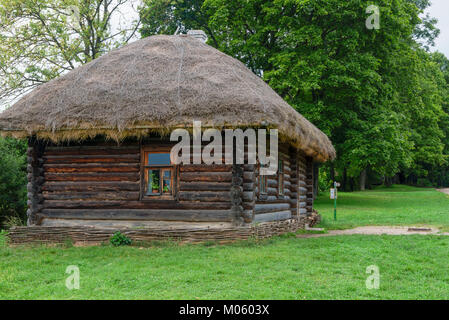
x=333 y=195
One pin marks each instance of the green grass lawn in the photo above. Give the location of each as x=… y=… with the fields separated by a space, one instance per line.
x=397 y=205
x=411 y=267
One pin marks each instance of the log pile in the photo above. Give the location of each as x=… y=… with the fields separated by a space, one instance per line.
x=40 y=234
x=313 y=219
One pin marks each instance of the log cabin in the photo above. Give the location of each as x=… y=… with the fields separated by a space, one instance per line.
x=99 y=148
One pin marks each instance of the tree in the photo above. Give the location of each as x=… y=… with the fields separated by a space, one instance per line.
x=12 y=180
x=175 y=16
x=371 y=91
x=42 y=39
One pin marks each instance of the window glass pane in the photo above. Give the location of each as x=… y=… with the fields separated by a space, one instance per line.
x=158 y=159
x=166 y=181
x=154 y=184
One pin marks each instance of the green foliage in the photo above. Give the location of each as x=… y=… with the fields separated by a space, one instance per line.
x=12 y=182
x=68 y=243
x=324 y=181
x=423 y=182
x=43 y=39
x=119 y=239
x=378 y=94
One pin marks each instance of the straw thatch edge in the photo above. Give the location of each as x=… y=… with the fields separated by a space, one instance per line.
x=141 y=131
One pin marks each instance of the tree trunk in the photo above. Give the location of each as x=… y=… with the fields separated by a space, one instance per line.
x=388 y=181
x=363 y=180
x=332 y=172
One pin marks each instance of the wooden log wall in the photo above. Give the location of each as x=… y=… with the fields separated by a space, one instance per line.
x=35 y=177
x=302 y=184
x=249 y=192
x=103 y=182
x=272 y=206
x=237 y=193
x=294 y=201
x=309 y=185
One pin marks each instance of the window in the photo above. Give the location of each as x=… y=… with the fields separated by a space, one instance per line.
x=281 y=178
x=158 y=174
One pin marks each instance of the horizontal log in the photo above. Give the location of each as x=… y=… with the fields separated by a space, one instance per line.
x=270 y=207
x=249 y=186
x=206 y=176
x=121 y=195
x=139 y=214
x=135 y=204
x=248 y=196
x=204 y=186
x=163 y=228
x=249 y=167
x=249 y=176
x=205 y=168
x=265 y=198
x=91 y=186
x=219 y=196
x=273 y=183
x=90 y=150
x=93 y=158
x=273 y=216
x=92 y=167
x=103 y=176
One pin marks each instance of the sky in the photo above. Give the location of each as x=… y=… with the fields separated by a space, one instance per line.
x=440 y=10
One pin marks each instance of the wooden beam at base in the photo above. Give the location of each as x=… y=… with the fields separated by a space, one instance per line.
x=273 y=216
x=139 y=214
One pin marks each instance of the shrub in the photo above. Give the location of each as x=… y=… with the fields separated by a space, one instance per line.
x=324 y=182
x=12 y=182
x=424 y=182
x=119 y=239
x=13 y=221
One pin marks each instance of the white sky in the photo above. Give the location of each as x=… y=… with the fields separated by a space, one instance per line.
x=440 y=10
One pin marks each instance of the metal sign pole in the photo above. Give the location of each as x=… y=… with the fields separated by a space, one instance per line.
x=336 y=184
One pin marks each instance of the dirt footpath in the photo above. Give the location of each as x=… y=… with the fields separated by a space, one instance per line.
x=446 y=191
x=377 y=230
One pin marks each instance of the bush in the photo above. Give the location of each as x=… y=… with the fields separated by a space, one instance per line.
x=424 y=182
x=324 y=182
x=119 y=239
x=13 y=221
x=12 y=182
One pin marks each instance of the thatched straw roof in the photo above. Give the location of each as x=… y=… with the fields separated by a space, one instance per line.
x=157 y=84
